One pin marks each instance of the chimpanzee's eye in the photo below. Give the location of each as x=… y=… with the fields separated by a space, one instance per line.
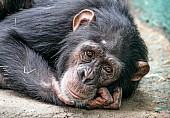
x=108 y=68
x=87 y=56
x=90 y=53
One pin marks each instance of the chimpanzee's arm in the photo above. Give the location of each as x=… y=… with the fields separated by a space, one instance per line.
x=25 y=71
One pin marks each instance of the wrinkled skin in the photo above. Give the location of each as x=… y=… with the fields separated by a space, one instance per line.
x=104 y=100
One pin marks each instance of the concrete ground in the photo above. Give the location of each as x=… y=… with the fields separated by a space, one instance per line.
x=152 y=100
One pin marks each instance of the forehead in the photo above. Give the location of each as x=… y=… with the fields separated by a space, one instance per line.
x=102 y=46
x=89 y=45
x=109 y=42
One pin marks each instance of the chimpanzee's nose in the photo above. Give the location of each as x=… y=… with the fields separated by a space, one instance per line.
x=87 y=75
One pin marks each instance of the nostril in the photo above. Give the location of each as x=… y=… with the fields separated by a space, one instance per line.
x=86 y=75
x=81 y=73
x=84 y=71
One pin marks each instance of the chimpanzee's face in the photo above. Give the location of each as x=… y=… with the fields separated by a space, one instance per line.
x=90 y=67
x=91 y=64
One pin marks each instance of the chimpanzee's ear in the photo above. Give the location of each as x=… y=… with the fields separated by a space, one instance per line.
x=143 y=69
x=85 y=16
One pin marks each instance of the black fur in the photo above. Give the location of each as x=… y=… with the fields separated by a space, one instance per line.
x=47 y=31
x=24 y=70
x=10 y=6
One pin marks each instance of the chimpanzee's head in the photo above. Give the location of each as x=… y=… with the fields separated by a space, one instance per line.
x=91 y=58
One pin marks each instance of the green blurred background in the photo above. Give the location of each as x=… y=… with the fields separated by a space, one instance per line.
x=155 y=12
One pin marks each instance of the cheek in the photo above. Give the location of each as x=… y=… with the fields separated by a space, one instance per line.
x=75 y=58
x=105 y=80
x=68 y=78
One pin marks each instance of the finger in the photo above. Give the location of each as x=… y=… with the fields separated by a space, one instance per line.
x=103 y=100
x=117 y=96
x=112 y=106
x=105 y=95
x=96 y=102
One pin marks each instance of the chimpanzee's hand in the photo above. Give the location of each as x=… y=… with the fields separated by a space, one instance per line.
x=106 y=100
x=59 y=94
x=117 y=99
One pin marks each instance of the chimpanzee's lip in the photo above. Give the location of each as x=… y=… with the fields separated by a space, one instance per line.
x=74 y=95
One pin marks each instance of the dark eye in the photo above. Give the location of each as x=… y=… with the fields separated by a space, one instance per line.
x=87 y=56
x=90 y=53
x=108 y=69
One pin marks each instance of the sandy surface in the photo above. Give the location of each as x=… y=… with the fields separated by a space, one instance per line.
x=152 y=100
x=14 y=106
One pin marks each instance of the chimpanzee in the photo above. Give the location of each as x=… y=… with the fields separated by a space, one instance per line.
x=81 y=53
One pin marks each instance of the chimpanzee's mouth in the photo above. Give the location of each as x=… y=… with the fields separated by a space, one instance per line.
x=76 y=95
